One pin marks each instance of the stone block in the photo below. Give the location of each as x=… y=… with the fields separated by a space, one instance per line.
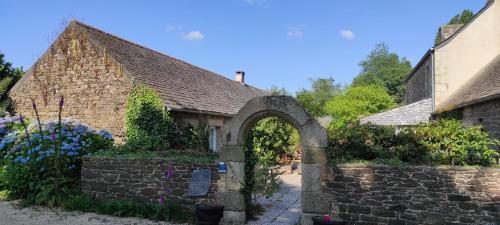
x=232 y=153
x=316 y=203
x=312 y=134
x=307 y=218
x=458 y=197
x=235 y=176
x=311 y=177
x=231 y=200
x=233 y=218
x=314 y=155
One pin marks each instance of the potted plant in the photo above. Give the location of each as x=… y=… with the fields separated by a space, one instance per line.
x=209 y=214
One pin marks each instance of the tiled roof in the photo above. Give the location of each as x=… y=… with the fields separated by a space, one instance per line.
x=415 y=113
x=181 y=86
x=485 y=85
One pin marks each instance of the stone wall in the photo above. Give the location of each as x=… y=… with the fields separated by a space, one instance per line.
x=95 y=88
x=486 y=114
x=413 y=195
x=419 y=86
x=143 y=179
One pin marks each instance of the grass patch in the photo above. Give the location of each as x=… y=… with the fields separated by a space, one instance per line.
x=375 y=162
x=126 y=208
x=175 y=156
x=399 y=163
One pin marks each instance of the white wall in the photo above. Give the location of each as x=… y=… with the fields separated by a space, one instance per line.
x=460 y=58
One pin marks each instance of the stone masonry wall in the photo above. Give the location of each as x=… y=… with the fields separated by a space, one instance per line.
x=419 y=86
x=413 y=195
x=143 y=179
x=95 y=88
x=486 y=114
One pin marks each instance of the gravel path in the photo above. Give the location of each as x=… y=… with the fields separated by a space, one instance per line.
x=285 y=206
x=10 y=214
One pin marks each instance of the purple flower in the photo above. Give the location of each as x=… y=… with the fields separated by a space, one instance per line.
x=169 y=173
x=161 y=200
x=61 y=102
x=33 y=103
x=53 y=136
x=21 y=119
x=168 y=191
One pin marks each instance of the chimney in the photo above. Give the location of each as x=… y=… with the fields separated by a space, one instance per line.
x=448 y=30
x=240 y=76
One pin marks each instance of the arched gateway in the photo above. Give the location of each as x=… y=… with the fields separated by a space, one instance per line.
x=314 y=142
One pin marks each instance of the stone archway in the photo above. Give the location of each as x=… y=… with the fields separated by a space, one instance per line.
x=314 y=142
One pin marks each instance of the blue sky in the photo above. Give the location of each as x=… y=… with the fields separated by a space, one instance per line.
x=276 y=42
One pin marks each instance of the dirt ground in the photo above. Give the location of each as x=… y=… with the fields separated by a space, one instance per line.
x=10 y=214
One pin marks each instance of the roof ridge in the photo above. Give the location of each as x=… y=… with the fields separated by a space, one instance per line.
x=403 y=106
x=152 y=50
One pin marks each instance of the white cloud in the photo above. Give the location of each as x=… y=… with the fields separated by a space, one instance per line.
x=347 y=34
x=296 y=31
x=193 y=36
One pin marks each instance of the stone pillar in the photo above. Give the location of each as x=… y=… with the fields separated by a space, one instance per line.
x=231 y=197
x=314 y=202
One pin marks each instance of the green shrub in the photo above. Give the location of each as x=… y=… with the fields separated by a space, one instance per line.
x=148 y=123
x=370 y=142
x=125 y=208
x=446 y=142
x=274 y=135
x=449 y=142
x=196 y=137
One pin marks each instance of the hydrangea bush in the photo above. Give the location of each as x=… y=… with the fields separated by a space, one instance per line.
x=8 y=124
x=42 y=164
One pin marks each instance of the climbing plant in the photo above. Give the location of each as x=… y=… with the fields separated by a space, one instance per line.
x=149 y=125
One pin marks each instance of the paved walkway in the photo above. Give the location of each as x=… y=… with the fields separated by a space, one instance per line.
x=285 y=205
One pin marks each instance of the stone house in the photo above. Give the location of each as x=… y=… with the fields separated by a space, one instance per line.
x=460 y=77
x=95 y=71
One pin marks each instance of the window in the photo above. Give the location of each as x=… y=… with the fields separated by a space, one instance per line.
x=213 y=139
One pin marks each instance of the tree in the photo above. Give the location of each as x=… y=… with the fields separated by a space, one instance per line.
x=358 y=101
x=462 y=18
x=8 y=77
x=385 y=69
x=279 y=91
x=314 y=100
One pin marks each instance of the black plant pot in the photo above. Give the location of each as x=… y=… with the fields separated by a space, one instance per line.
x=317 y=220
x=209 y=214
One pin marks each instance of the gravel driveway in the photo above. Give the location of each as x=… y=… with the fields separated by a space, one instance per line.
x=10 y=214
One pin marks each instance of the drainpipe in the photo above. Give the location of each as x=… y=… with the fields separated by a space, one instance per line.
x=433 y=87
